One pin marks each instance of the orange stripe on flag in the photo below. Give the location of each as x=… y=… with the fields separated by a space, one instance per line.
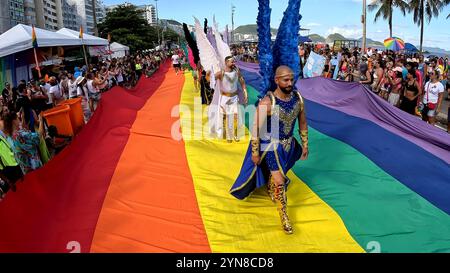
x=151 y=204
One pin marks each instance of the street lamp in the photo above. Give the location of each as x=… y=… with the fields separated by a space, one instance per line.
x=233 y=9
x=157 y=21
x=363 y=19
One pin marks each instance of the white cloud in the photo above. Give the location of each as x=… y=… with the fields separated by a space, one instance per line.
x=313 y=25
x=346 y=31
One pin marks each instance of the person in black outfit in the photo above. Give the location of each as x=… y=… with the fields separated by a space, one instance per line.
x=6 y=93
x=205 y=89
x=411 y=93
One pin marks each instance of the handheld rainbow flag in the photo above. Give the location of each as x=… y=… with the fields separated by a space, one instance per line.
x=84 y=48
x=33 y=38
x=35 y=46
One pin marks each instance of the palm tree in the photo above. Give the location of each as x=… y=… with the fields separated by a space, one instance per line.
x=446 y=2
x=386 y=9
x=428 y=8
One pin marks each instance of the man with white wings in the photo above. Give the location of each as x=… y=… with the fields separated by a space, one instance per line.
x=228 y=84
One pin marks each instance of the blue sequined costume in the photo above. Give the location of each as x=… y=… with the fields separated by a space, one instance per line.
x=278 y=152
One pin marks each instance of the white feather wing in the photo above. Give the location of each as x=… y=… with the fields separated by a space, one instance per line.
x=208 y=56
x=222 y=48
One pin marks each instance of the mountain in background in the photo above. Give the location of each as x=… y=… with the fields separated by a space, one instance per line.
x=372 y=43
x=336 y=36
x=435 y=50
x=316 y=38
x=251 y=29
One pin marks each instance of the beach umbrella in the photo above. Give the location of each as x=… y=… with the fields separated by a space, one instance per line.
x=394 y=43
x=410 y=47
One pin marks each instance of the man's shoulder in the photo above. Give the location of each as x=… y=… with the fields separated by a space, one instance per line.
x=297 y=93
x=267 y=99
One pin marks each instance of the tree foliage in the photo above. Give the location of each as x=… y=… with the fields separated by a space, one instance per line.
x=127 y=26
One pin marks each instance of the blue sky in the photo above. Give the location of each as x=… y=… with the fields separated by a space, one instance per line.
x=322 y=17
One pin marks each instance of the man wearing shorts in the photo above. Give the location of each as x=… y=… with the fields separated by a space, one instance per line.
x=176 y=62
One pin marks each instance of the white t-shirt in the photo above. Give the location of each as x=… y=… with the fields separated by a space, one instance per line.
x=82 y=91
x=46 y=86
x=56 y=91
x=72 y=88
x=432 y=91
x=119 y=76
x=175 y=59
x=90 y=86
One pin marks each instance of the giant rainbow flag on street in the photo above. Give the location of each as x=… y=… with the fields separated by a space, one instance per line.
x=376 y=179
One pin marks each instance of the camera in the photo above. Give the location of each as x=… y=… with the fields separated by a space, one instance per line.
x=421 y=106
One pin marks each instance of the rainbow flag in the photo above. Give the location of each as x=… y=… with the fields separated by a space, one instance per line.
x=33 y=38
x=371 y=183
x=81 y=33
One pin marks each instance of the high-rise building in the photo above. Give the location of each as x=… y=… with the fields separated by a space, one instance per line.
x=46 y=14
x=86 y=13
x=101 y=12
x=70 y=15
x=29 y=12
x=149 y=13
x=55 y=14
x=12 y=12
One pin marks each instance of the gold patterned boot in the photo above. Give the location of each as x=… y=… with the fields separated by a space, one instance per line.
x=225 y=128
x=271 y=188
x=235 y=127
x=228 y=130
x=281 y=200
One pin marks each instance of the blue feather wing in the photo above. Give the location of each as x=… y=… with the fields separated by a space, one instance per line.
x=285 y=49
x=264 y=44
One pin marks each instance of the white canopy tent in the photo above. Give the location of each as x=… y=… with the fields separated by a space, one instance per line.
x=119 y=50
x=18 y=39
x=88 y=40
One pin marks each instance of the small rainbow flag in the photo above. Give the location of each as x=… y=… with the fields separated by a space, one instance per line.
x=81 y=32
x=33 y=38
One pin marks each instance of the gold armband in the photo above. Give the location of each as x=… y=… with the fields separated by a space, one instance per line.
x=304 y=137
x=255 y=147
